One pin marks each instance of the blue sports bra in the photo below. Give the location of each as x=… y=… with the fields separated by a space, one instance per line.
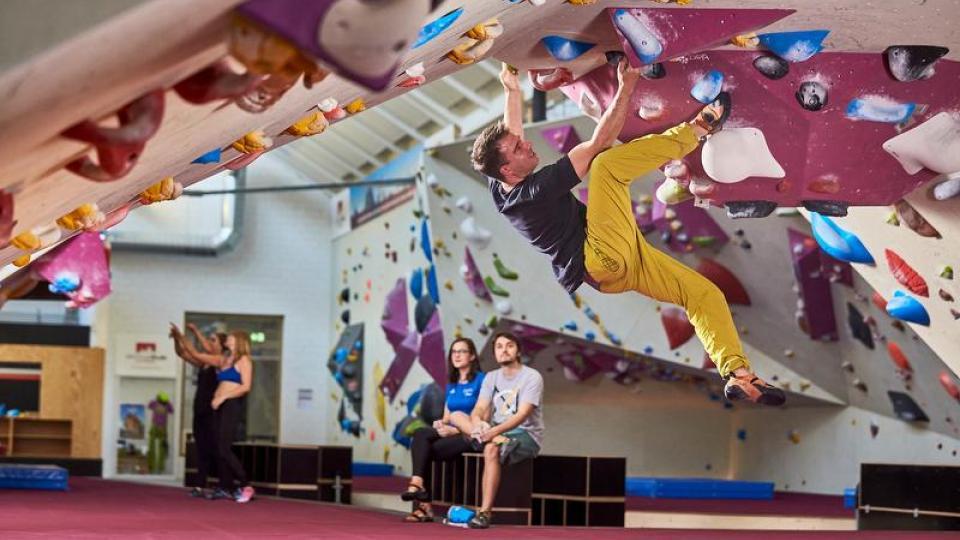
x=230 y=374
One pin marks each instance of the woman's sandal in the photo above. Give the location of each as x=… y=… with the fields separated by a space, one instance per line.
x=707 y=118
x=419 y=495
x=421 y=513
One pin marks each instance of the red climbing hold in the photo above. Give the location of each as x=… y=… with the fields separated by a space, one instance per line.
x=949 y=385
x=723 y=278
x=900 y=359
x=906 y=275
x=678 y=327
x=879 y=301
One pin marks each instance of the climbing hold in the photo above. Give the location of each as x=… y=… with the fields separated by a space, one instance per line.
x=502 y=269
x=436 y=27
x=879 y=301
x=118 y=148
x=789 y=353
x=917 y=223
x=912 y=62
x=896 y=355
x=653 y=71
x=463 y=203
x=677 y=326
x=448 y=285
x=838 y=243
x=345 y=316
x=565 y=49
x=858 y=326
x=907 y=308
x=503 y=307
x=734 y=154
x=881 y=109
x=312 y=123
x=906 y=275
x=423 y=312
x=416 y=283
x=771 y=67
x=164 y=190
x=746 y=41
x=794 y=46
x=742 y=434
x=931 y=145
x=847 y=366
x=344 y=296
x=589 y=106
x=494 y=288
x=860 y=385
x=590 y=335
x=570 y=325
x=945 y=271
x=644 y=43
x=947 y=189
x=471 y=276
x=550 y=79
x=476 y=235
x=945 y=296
x=433 y=287
x=415 y=76
x=748 y=209
x=87 y=217
x=723 y=278
x=331 y=109
x=949 y=385
x=955 y=314
x=672 y=192
x=651 y=107
x=253 y=141
x=794 y=436
x=812 y=95
x=707 y=87
x=212 y=156
x=356 y=106
x=892 y=218
x=874 y=429
x=476 y=42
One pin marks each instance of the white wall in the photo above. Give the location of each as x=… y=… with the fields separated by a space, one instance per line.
x=281 y=266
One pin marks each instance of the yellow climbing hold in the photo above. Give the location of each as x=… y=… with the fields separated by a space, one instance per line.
x=164 y=190
x=448 y=285
x=21 y=261
x=380 y=405
x=85 y=216
x=252 y=142
x=27 y=241
x=356 y=106
x=311 y=124
x=746 y=41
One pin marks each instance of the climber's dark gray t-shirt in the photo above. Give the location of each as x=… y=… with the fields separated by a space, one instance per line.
x=544 y=211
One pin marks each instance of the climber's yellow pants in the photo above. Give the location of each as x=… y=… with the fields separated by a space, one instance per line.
x=619 y=259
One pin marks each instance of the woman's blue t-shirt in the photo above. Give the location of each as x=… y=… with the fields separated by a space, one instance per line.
x=462 y=396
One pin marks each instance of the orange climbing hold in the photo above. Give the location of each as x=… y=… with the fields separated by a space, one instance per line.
x=900 y=359
x=906 y=275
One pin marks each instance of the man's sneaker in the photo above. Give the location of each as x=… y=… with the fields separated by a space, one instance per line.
x=245 y=495
x=480 y=521
x=218 y=493
x=749 y=387
x=197 y=492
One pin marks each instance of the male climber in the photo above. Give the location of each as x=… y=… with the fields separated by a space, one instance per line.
x=600 y=243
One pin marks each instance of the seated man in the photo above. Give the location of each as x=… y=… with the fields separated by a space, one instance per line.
x=600 y=243
x=506 y=419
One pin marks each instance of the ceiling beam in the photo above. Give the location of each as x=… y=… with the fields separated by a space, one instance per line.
x=335 y=158
x=335 y=134
x=403 y=126
x=375 y=135
x=431 y=108
x=450 y=81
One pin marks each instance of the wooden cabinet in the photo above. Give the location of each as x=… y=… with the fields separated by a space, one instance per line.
x=36 y=437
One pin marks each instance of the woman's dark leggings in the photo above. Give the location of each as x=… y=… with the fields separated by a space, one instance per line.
x=429 y=446
x=229 y=467
x=205 y=444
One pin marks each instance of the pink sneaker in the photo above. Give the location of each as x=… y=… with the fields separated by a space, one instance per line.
x=245 y=495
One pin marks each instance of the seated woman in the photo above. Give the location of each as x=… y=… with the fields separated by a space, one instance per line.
x=234 y=376
x=449 y=436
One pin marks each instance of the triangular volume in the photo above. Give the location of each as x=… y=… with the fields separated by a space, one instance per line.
x=650 y=35
x=561 y=138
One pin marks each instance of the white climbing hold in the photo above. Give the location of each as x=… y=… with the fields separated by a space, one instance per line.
x=934 y=144
x=476 y=235
x=735 y=154
x=464 y=204
x=949 y=188
x=503 y=307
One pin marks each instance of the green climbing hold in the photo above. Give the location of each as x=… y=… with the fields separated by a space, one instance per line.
x=491 y=321
x=502 y=269
x=946 y=272
x=494 y=288
x=703 y=241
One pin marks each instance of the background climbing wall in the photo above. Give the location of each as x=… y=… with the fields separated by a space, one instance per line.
x=759 y=254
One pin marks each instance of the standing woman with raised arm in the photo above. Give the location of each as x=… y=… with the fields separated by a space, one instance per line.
x=234 y=377
x=204 y=418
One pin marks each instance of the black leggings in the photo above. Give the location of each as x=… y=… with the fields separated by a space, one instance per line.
x=429 y=446
x=205 y=445
x=230 y=469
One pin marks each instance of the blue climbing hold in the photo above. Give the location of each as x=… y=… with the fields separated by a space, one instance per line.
x=648 y=350
x=742 y=434
x=571 y=325
x=425 y=244
x=416 y=283
x=212 y=156
x=644 y=43
x=794 y=46
x=838 y=243
x=432 y=286
x=65 y=282
x=590 y=335
x=614 y=339
x=565 y=49
x=436 y=27
x=907 y=308
x=708 y=87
